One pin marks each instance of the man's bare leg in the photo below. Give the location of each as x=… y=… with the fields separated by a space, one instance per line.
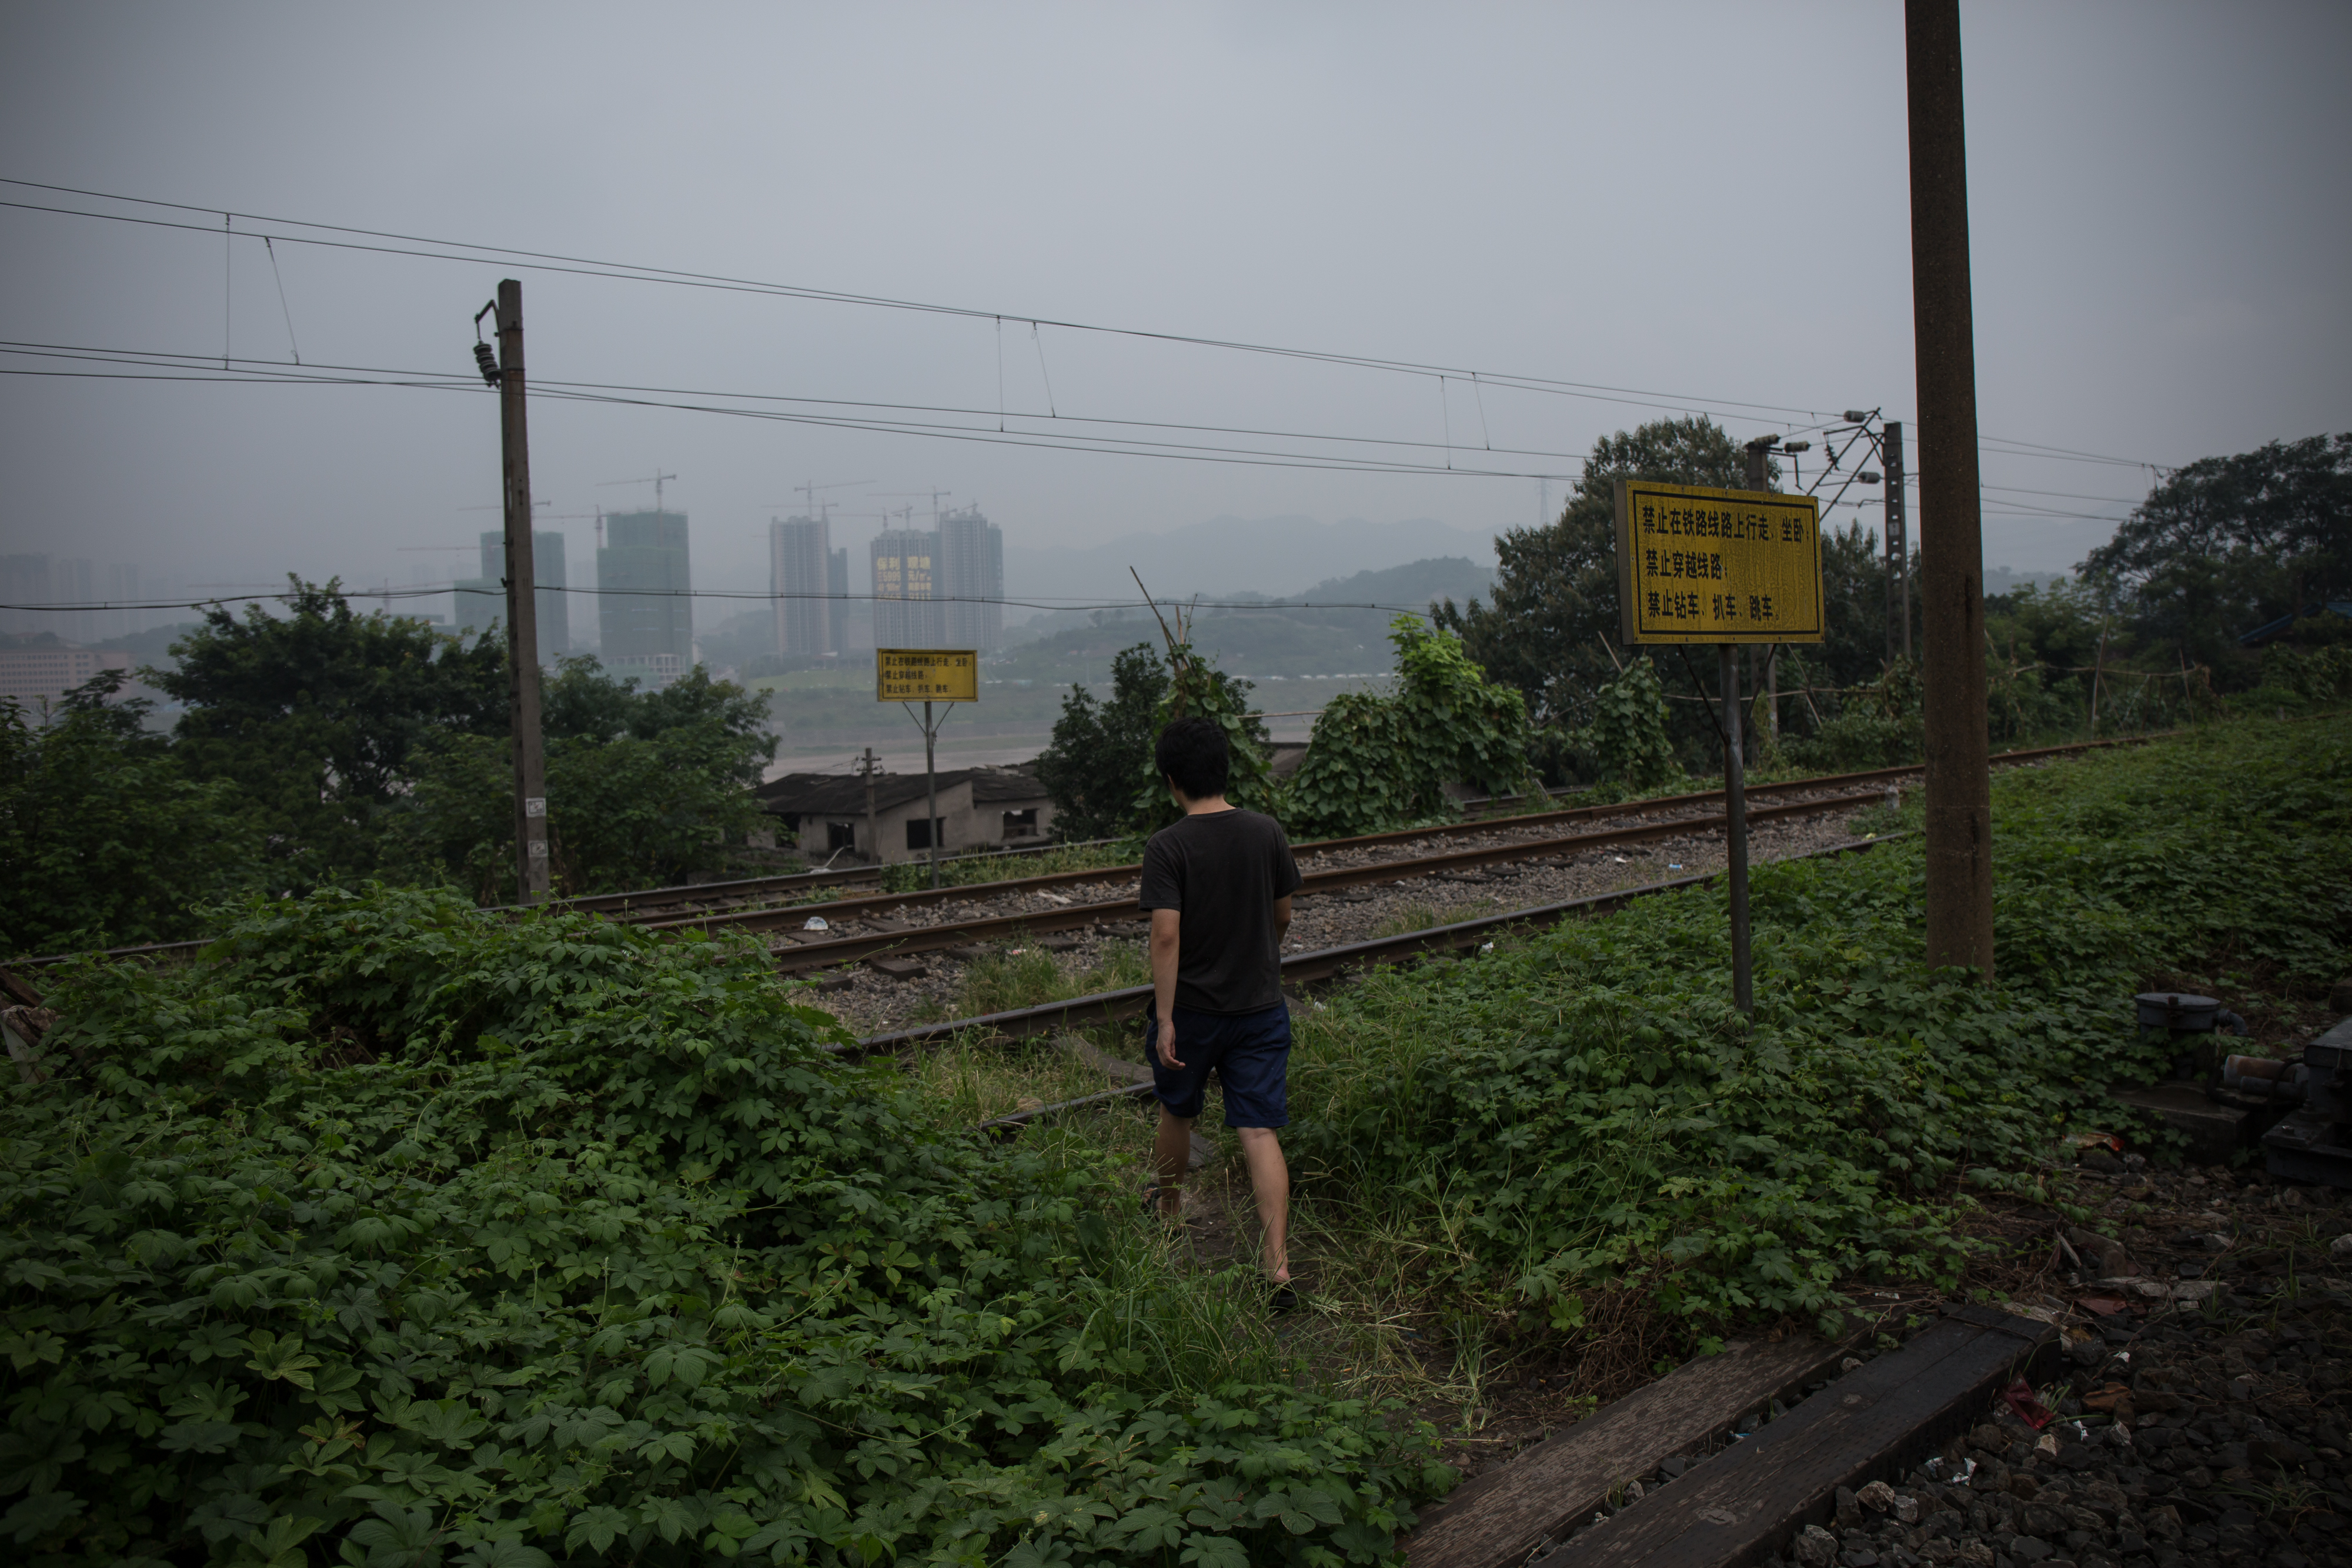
x=1270 y=1179
x=1172 y=1152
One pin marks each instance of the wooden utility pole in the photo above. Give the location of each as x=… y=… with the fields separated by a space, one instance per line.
x=522 y=607
x=1959 y=787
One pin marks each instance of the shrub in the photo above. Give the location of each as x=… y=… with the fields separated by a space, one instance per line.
x=432 y=1237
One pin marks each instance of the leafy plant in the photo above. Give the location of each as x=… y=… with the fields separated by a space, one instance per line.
x=1380 y=760
x=1585 y=1113
x=1090 y=766
x=110 y=840
x=418 y=1235
x=1628 y=732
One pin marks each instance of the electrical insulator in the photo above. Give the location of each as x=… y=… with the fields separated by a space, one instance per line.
x=487 y=360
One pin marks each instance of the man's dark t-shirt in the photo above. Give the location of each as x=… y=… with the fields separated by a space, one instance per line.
x=1223 y=870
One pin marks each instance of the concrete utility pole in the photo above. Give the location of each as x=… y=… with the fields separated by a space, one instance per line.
x=1959 y=786
x=522 y=607
x=1898 y=546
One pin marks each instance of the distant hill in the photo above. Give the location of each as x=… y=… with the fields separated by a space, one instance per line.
x=1272 y=556
x=1294 y=641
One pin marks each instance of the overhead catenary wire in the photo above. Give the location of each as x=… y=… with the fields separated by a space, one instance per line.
x=397 y=243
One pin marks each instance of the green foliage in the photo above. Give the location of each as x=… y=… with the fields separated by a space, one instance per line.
x=1379 y=761
x=1881 y=724
x=644 y=789
x=109 y=841
x=1100 y=747
x=1586 y=1112
x=2317 y=675
x=1554 y=615
x=1198 y=689
x=1628 y=730
x=409 y=1233
x=312 y=717
x=2227 y=544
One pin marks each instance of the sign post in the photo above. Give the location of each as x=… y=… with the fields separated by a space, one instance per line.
x=903 y=676
x=1726 y=567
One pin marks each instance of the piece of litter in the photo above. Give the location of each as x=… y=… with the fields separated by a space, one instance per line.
x=816 y=923
x=2049 y=1445
x=1485 y=947
x=2021 y=1399
x=1620 y=860
x=1674 y=865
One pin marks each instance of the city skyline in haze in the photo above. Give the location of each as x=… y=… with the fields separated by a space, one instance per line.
x=1704 y=204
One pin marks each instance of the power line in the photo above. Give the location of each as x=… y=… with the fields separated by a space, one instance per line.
x=436 y=591
x=643 y=273
x=634 y=273
x=191 y=368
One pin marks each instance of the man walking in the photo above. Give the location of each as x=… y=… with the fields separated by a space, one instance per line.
x=1218 y=884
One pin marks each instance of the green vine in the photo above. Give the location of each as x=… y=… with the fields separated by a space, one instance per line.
x=1381 y=761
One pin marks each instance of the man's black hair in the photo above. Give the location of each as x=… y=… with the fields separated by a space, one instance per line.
x=1194 y=756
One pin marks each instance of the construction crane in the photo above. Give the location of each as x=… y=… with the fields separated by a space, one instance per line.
x=934 y=496
x=656 y=480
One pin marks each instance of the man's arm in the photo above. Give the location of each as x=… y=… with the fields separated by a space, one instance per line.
x=1166 y=928
x=1281 y=920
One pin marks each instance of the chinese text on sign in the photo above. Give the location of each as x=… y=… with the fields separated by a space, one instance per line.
x=1697 y=565
x=926 y=676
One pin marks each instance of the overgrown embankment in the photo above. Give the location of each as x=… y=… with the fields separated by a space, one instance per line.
x=422 y=1236
x=404 y=1234
x=1582 y=1114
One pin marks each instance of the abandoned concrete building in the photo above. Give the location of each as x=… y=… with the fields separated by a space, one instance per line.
x=824 y=814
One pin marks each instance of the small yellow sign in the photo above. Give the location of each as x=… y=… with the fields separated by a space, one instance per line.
x=1698 y=565
x=926 y=676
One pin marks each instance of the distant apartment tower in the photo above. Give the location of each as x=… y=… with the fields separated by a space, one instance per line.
x=800 y=574
x=480 y=601
x=642 y=610
x=970 y=580
x=906 y=604
x=52 y=580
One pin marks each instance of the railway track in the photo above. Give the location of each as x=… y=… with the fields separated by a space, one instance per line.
x=893 y=938
x=779 y=902
x=1298 y=969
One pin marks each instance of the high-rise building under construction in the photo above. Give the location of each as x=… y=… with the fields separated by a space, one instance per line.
x=942 y=590
x=801 y=559
x=643 y=608
x=970 y=581
x=906 y=612
x=480 y=601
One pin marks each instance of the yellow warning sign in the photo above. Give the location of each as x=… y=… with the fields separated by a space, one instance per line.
x=1698 y=565
x=926 y=676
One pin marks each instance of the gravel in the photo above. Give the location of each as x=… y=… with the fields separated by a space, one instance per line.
x=871 y=1003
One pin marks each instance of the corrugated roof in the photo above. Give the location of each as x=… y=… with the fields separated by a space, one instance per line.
x=834 y=794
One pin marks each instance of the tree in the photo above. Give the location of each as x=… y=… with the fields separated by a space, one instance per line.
x=1554 y=599
x=1381 y=760
x=2227 y=544
x=1099 y=749
x=313 y=718
x=109 y=841
x=644 y=789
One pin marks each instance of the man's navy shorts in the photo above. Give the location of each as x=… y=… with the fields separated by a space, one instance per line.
x=1250 y=1051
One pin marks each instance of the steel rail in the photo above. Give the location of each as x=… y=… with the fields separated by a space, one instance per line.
x=1299 y=968
x=1483 y=825
x=1123 y=911
x=787 y=917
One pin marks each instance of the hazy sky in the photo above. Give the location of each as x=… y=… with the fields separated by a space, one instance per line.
x=1707 y=202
